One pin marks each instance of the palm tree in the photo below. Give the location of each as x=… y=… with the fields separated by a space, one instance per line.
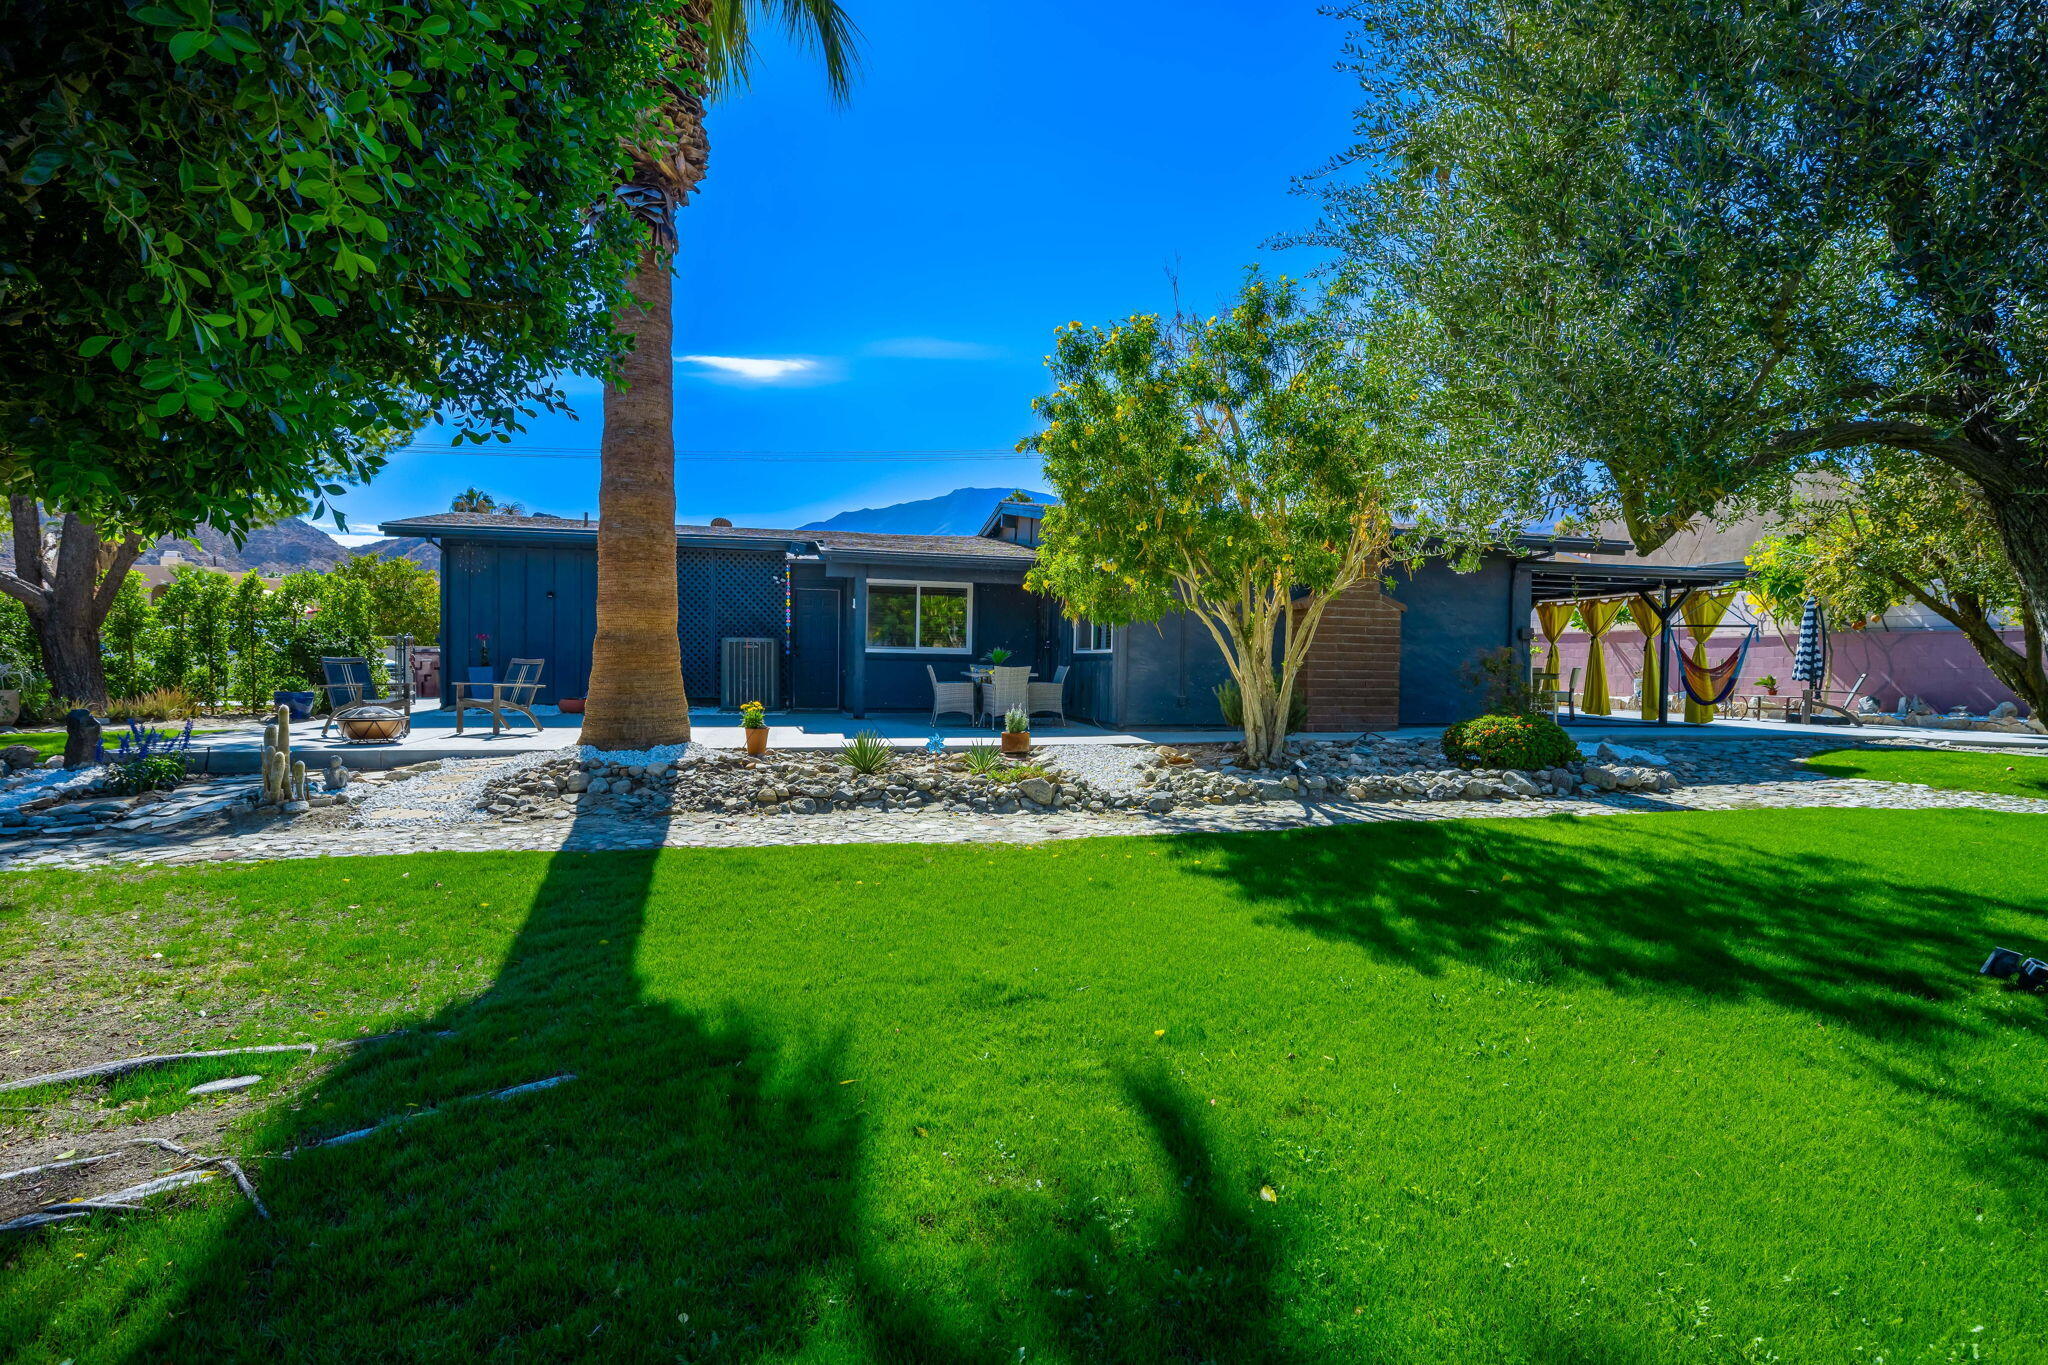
x=636 y=698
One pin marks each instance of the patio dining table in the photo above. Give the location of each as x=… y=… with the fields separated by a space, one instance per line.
x=978 y=674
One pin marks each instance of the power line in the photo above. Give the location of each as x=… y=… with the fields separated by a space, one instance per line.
x=984 y=455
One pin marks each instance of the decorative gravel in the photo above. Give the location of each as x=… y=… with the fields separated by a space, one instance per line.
x=440 y=793
x=1109 y=768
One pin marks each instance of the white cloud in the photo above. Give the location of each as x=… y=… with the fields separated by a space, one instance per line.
x=932 y=348
x=755 y=369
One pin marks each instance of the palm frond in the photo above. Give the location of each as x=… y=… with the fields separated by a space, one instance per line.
x=818 y=26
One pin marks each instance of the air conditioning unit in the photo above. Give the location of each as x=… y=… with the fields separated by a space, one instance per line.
x=749 y=669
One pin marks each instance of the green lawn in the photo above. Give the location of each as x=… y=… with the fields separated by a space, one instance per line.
x=1709 y=1087
x=48 y=742
x=2020 y=773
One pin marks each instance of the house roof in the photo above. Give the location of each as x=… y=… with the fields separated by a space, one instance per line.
x=973 y=551
x=847 y=544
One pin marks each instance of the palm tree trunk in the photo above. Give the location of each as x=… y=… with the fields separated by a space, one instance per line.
x=636 y=696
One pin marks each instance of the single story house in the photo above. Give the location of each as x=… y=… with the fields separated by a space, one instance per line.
x=860 y=622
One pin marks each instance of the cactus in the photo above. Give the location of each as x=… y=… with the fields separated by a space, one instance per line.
x=284 y=779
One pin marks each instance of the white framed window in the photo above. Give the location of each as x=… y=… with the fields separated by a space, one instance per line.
x=1092 y=637
x=926 y=618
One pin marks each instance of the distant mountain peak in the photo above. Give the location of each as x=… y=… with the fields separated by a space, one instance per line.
x=961 y=512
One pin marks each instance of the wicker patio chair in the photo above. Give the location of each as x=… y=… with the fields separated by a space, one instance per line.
x=1005 y=690
x=350 y=685
x=1049 y=698
x=516 y=693
x=950 y=697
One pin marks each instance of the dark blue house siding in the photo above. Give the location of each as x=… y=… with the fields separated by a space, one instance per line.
x=539 y=601
x=722 y=594
x=1452 y=619
x=535 y=597
x=1005 y=615
x=533 y=601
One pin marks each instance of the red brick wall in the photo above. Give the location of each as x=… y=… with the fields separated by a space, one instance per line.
x=1353 y=672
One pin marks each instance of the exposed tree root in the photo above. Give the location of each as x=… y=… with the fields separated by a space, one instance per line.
x=128 y=1199
x=121 y=1068
x=507 y=1093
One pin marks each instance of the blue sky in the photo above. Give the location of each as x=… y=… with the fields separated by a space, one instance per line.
x=885 y=276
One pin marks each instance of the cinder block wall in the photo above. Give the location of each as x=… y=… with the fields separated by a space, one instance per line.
x=1353 y=673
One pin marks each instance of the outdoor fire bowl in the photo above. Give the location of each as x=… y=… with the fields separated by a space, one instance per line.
x=372 y=725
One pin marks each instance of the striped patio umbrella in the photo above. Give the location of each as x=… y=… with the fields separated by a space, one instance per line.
x=1810 y=664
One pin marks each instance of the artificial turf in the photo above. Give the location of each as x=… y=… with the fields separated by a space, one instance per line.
x=2018 y=773
x=1690 y=1087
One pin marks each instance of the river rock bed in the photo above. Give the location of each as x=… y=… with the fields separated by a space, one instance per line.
x=1378 y=769
x=797 y=782
x=808 y=782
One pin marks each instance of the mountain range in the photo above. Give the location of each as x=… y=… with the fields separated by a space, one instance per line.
x=958 y=513
x=288 y=547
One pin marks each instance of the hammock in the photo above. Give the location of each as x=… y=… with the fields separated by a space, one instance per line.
x=1709 y=685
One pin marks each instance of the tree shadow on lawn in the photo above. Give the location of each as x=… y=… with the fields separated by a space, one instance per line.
x=689 y=1195
x=676 y=1199
x=1668 y=906
x=1197 y=1285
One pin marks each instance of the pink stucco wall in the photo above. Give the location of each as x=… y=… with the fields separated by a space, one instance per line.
x=1938 y=665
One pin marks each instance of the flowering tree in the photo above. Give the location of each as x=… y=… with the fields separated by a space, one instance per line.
x=1246 y=468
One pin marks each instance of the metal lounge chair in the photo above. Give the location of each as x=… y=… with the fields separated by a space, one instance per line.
x=349 y=685
x=1049 y=698
x=516 y=693
x=950 y=697
x=1006 y=689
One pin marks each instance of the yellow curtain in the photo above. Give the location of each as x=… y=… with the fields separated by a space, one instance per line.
x=1643 y=612
x=1552 y=618
x=1599 y=618
x=1702 y=612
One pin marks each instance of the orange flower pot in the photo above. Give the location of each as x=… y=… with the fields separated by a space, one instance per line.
x=1016 y=741
x=757 y=741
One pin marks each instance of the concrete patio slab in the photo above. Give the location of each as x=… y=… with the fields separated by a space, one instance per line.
x=239 y=748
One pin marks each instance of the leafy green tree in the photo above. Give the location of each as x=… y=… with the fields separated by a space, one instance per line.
x=193 y=612
x=1689 y=250
x=255 y=241
x=253 y=663
x=1906 y=531
x=1245 y=468
x=405 y=599
x=128 y=637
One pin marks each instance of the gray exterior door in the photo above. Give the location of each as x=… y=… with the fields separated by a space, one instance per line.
x=814 y=649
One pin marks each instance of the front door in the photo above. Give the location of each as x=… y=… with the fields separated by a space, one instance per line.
x=814 y=649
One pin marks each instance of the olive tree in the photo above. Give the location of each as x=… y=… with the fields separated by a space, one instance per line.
x=1245 y=468
x=1684 y=251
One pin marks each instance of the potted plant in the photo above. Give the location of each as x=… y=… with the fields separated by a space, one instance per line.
x=998 y=656
x=480 y=672
x=1017 y=731
x=754 y=720
x=1768 y=683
